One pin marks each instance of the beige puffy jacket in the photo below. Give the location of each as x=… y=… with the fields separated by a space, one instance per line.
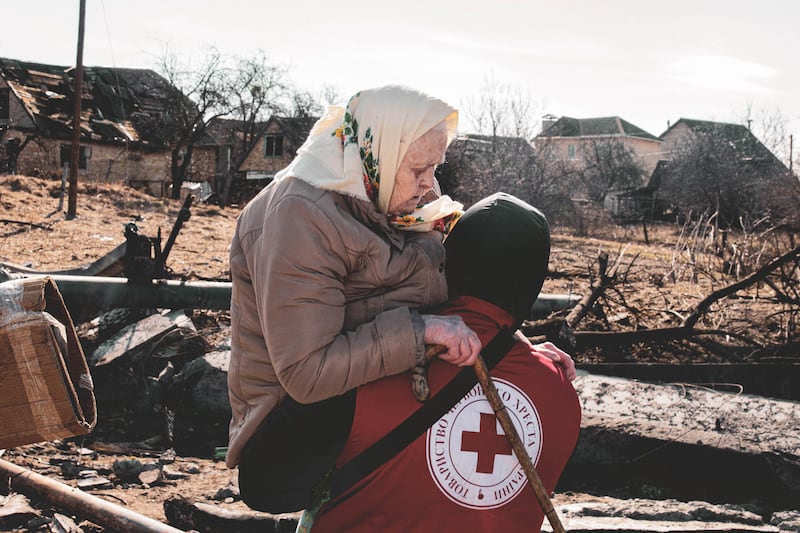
x=323 y=293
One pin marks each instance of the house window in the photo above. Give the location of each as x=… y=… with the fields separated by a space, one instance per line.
x=570 y=151
x=5 y=104
x=83 y=156
x=273 y=145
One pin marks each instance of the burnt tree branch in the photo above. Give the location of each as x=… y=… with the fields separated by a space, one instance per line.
x=605 y=339
x=24 y=223
x=780 y=295
x=724 y=292
x=563 y=330
x=597 y=289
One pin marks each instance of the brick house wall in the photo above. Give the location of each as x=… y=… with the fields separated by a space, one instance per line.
x=258 y=164
x=103 y=163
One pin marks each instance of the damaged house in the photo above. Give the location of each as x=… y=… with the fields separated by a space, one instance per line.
x=272 y=148
x=120 y=112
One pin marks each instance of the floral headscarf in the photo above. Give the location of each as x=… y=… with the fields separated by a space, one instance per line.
x=357 y=150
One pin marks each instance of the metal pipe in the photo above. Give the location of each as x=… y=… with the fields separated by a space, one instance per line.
x=103 y=293
x=95 y=509
x=80 y=292
x=96 y=292
x=549 y=303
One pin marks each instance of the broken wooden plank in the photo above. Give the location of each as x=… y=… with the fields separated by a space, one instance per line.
x=207 y=518
x=63 y=524
x=15 y=511
x=137 y=337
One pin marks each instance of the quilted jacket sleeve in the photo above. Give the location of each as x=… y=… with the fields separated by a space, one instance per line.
x=299 y=266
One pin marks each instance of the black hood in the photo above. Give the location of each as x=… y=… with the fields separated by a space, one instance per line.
x=498 y=251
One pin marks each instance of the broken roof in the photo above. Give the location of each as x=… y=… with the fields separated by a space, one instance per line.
x=485 y=143
x=113 y=100
x=592 y=127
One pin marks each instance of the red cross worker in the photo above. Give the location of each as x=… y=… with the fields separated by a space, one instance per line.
x=461 y=474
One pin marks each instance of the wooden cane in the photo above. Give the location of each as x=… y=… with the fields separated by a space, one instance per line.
x=516 y=444
x=512 y=435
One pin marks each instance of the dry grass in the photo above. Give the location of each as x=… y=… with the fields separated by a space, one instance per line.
x=200 y=250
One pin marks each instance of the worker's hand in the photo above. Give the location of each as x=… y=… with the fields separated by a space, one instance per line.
x=556 y=354
x=463 y=345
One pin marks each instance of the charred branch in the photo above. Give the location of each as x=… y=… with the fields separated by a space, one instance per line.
x=563 y=331
x=24 y=223
x=759 y=275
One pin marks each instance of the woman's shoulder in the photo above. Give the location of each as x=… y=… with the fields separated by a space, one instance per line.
x=339 y=207
x=287 y=193
x=294 y=202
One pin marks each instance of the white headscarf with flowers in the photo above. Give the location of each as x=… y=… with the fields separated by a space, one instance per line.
x=357 y=151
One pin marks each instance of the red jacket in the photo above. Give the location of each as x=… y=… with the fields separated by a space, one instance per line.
x=461 y=475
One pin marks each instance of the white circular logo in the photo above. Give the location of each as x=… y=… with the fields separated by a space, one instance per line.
x=469 y=456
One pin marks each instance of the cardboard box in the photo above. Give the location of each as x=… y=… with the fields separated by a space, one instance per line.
x=46 y=390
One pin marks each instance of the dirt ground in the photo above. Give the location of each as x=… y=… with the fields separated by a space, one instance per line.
x=660 y=283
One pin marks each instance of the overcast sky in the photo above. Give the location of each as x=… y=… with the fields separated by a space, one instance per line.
x=647 y=62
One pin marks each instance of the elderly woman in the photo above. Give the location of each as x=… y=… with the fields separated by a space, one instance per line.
x=331 y=262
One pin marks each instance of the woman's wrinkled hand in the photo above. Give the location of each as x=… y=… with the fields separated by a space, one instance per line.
x=463 y=345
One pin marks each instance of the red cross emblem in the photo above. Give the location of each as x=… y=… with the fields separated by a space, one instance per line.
x=486 y=442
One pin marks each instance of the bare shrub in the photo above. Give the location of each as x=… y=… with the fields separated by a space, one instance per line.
x=703 y=249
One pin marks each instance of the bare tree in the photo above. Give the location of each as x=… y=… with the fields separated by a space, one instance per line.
x=330 y=94
x=257 y=89
x=711 y=174
x=306 y=103
x=212 y=87
x=770 y=127
x=608 y=165
x=10 y=150
x=198 y=94
x=503 y=110
x=548 y=183
x=500 y=156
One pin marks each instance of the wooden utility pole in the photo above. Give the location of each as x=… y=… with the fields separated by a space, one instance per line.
x=76 y=119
